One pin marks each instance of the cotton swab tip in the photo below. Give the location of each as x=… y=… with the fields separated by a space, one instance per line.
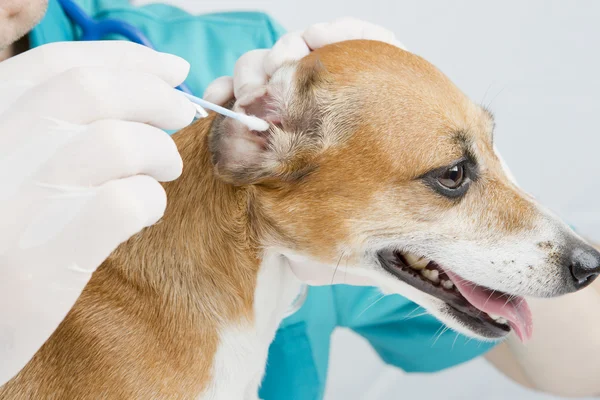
x=254 y=123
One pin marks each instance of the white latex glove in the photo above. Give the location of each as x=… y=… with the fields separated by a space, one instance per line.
x=254 y=68
x=80 y=156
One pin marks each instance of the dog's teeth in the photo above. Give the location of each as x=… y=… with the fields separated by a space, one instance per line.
x=498 y=319
x=431 y=274
x=410 y=259
x=447 y=284
x=434 y=276
x=416 y=262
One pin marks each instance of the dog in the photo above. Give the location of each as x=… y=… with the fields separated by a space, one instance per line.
x=373 y=157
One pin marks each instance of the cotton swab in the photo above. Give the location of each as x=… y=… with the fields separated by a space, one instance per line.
x=252 y=122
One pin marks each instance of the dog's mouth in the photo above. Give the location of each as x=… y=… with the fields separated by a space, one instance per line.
x=486 y=312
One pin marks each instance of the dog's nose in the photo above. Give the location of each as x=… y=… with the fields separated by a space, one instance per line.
x=585 y=265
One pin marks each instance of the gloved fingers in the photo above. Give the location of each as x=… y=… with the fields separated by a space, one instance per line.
x=253 y=70
x=343 y=29
x=220 y=91
x=41 y=63
x=121 y=209
x=81 y=227
x=249 y=72
x=92 y=94
x=11 y=91
x=113 y=149
x=290 y=47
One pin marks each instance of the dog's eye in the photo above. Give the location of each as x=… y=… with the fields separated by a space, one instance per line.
x=453 y=177
x=452 y=181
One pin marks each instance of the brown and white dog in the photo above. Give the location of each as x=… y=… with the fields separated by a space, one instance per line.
x=374 y=162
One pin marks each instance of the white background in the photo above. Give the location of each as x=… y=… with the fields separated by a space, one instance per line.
x=536 y=63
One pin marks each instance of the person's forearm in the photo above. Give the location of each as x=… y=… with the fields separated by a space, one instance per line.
x=505 y=361
x=563 y=356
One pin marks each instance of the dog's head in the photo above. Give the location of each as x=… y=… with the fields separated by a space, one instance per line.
x=378 y=166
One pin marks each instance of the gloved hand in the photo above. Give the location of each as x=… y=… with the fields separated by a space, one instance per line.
x=80 y=156
x=254 y=68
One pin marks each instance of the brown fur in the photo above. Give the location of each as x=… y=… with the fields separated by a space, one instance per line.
x=399 y=118
x=147 y=324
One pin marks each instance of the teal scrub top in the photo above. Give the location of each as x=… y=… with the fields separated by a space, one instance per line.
x=299 y=355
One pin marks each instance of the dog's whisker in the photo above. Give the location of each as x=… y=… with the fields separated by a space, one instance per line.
x=494 y=98
x=416 y=316
x=485 y=93
x=371 y=305
x=488 y=299
x=440 y=335
x=455 y=339
x=510 y=297
x=438 y=329
x=336 y=267
x=411 y=313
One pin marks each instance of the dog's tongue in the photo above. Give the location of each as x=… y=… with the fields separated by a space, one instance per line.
x=516 y=311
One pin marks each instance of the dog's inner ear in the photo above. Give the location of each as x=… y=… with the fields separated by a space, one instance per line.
x=290 y=103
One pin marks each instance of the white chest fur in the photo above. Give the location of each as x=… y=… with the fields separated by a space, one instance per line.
x=241 y=357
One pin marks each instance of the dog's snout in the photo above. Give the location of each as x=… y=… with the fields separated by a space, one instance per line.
x=584 y=265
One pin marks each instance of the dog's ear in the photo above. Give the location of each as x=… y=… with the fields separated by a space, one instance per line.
x=290 y=103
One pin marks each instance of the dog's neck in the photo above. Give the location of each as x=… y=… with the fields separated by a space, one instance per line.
x=204 y=247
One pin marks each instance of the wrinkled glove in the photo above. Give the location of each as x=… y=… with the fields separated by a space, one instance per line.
x=254 y=68
x=81 y=154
